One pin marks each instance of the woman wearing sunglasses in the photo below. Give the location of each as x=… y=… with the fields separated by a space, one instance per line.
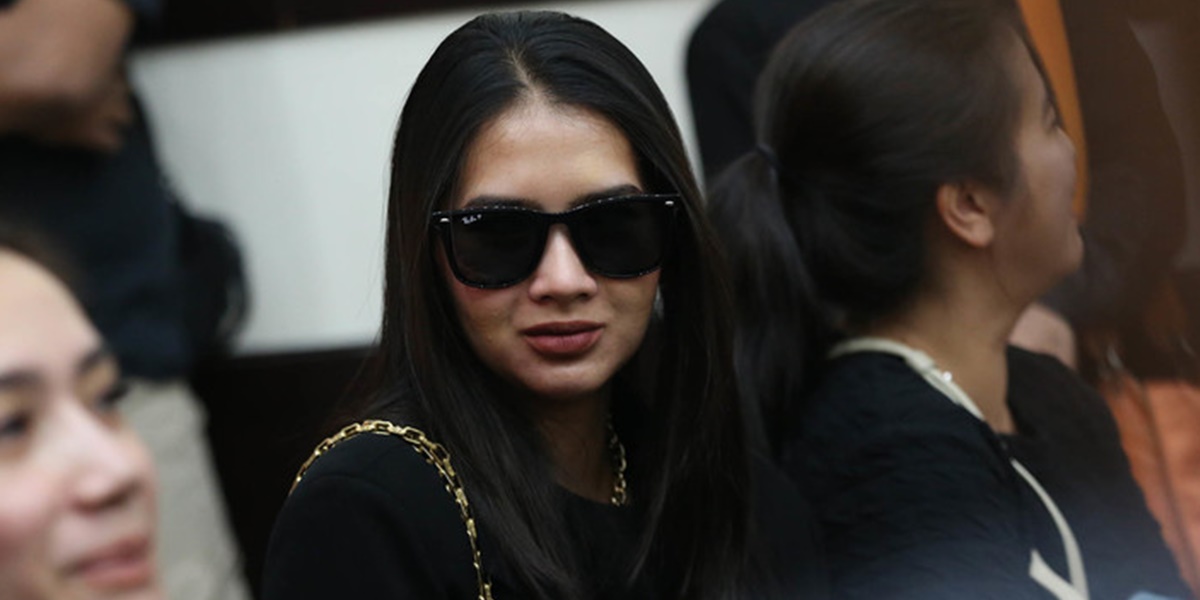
x=77 y=489
x=554 y=354
x=910 y=197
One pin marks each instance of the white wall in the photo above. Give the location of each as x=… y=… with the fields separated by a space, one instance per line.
x=288 y=138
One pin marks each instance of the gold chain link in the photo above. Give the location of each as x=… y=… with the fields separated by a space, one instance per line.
x=435 y=455
x=620 y=493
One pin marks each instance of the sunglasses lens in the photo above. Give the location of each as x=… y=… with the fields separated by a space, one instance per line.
x=622 y=238
x=495 y=248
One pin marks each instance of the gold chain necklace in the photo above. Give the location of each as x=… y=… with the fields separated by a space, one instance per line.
x=620 y=493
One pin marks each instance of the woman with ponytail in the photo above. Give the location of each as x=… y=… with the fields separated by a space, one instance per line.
x=909 y=197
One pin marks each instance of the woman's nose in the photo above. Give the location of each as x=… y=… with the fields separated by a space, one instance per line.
x=110 y=465
x=561 y=274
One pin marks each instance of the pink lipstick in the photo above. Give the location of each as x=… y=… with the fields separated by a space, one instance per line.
x=123 y=565
x=564 y=339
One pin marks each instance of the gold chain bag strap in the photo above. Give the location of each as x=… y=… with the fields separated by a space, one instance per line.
x=435 y=455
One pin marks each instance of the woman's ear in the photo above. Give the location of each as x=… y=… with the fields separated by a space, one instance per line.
x=967 y=211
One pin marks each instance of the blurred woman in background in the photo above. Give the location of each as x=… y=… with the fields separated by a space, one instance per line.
x=77 y=491
x=909 y=198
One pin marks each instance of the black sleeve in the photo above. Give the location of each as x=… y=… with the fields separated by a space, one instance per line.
x=370 y=519
x=1123 y=546
x=338 y=537
x=147 y=10
x=725 y=56
x=785 y=539
x=1140 y=558
x=918 y=506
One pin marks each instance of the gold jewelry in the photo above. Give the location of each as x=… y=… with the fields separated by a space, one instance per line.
x=620 y=493
x=435 y=455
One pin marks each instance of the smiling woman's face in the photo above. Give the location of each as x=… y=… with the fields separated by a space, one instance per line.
x=77 y=514
x=563 y=332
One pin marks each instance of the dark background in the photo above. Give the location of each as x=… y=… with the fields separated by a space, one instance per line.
x=189 y=20
x=266 y=413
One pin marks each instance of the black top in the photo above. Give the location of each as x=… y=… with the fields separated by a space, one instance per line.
x=916 y=497
x=372 y=519
x=113 y=218
x=725 y=55
x=143 y=10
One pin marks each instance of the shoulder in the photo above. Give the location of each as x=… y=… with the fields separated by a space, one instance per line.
x=380 y=475
x=147 y=10
x=1048 y=397
x=760 y=23
x=780 y=509
x=787 y=539
x=385 y=461
x=726 y=19
x=870 y=396
x=747 y=29
x=912 y=493
x=370 y=515
x=876 y=429
x=1038 y=365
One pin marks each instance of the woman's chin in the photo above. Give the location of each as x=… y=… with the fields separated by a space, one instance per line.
x=150 y=591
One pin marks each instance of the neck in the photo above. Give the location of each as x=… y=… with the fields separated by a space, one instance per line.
x=965 y=331
x=576 y=436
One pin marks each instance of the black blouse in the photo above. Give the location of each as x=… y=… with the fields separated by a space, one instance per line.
x=371 y=519
x=916 y=497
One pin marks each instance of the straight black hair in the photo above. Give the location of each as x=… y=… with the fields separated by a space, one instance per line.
x=862 y=113
x=675 y=404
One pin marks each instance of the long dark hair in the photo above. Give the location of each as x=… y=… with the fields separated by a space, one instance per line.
x=688 y=472
x=863 y=111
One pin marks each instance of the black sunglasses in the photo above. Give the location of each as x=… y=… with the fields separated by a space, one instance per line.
x=499 y=246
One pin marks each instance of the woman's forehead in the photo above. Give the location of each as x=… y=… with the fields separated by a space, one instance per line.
x=547 y=155
x=41 y=325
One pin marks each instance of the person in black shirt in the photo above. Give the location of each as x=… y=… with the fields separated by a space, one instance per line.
x=554 y=353
x=909 y=197
x=725 y=55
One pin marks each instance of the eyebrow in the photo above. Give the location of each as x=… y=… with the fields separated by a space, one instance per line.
x=93 y=359
x=488 y=201
x=26 y=378
x=17 y=379
x=620 y=190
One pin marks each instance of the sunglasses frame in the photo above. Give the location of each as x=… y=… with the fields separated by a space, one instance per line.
x=441 y=221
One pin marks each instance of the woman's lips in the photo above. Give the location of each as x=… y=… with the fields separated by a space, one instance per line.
x=123 y=565
x=563 y=339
